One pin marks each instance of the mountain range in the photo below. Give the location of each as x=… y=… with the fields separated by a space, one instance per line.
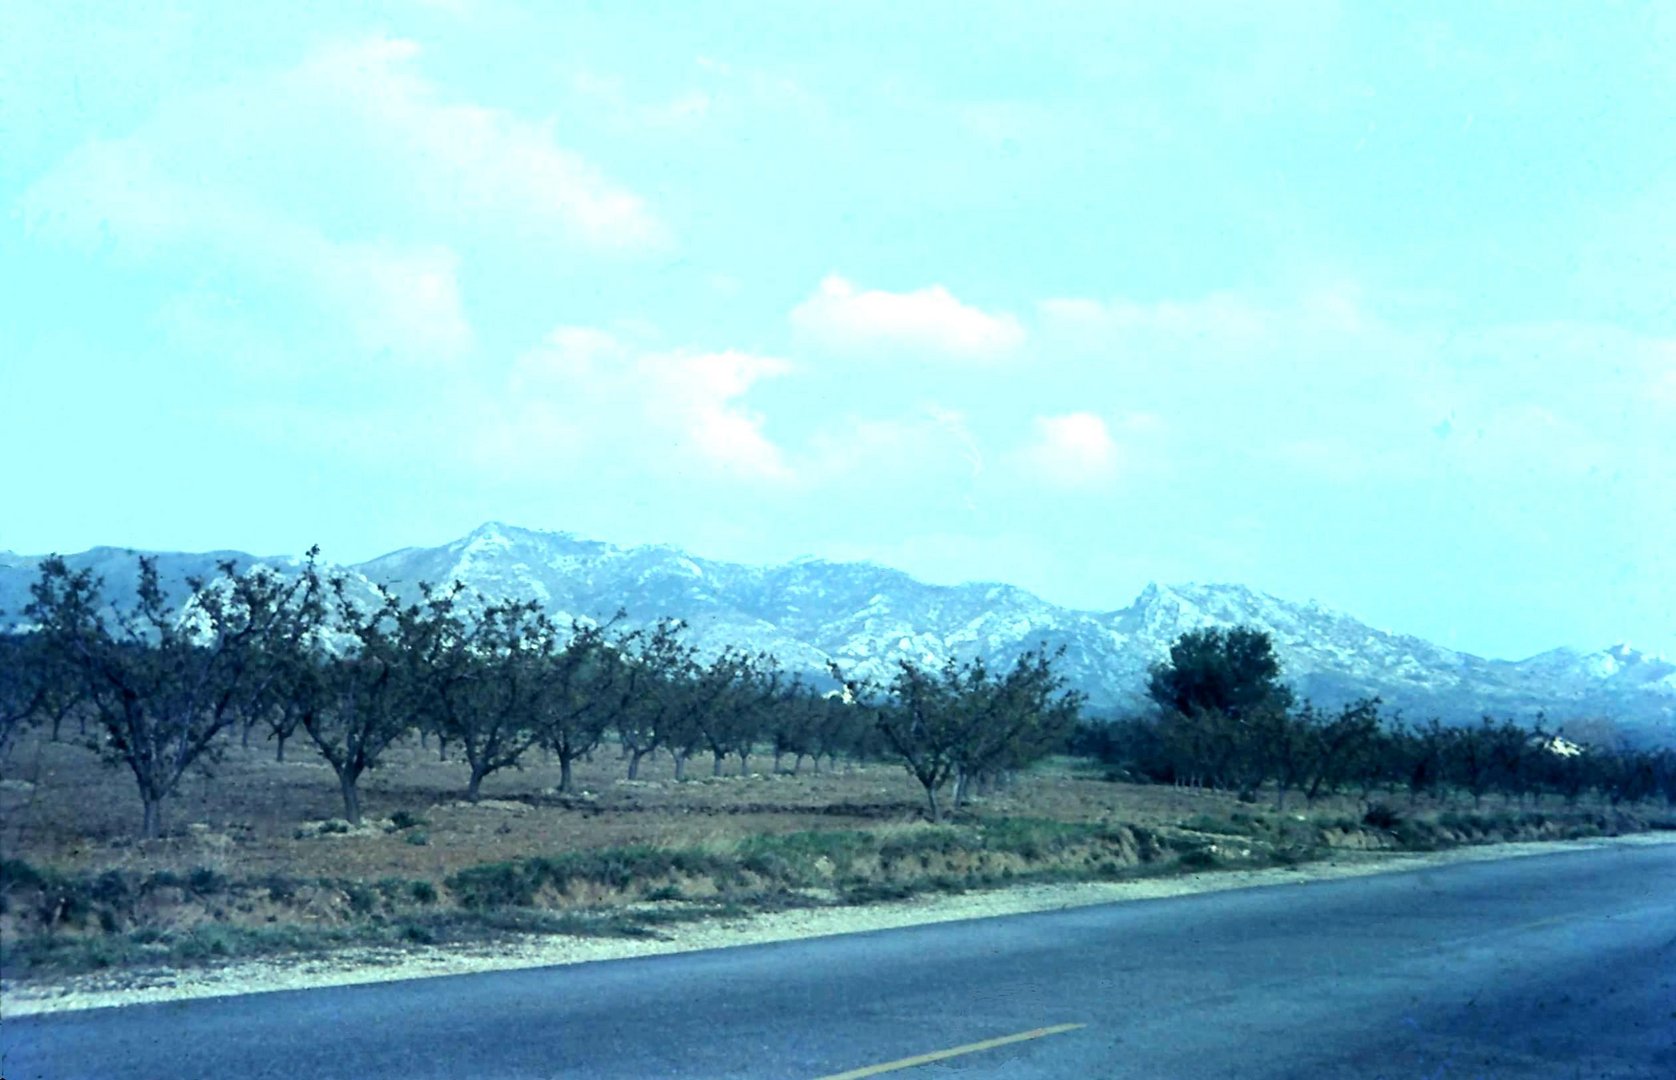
x=866 y=617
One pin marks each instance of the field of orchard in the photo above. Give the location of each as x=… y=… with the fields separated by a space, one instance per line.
x=275 y=764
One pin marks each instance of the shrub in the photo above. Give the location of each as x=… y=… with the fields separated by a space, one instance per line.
x=1206 y=823
x=493 y=885
x=1199 y=859
x=422 y=892
x=418 y=838
x=204 y=881
x=362 y=900
x=17 y=874
x=110 y=887
x=165 y=879
x=401 y=820
x=281 y=890
x=1382 y=816
x=417 y=934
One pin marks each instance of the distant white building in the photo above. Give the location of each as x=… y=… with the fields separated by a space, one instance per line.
x=1559 y=746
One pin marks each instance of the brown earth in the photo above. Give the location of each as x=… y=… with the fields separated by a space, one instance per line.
x=61 y=807
x=254 y=860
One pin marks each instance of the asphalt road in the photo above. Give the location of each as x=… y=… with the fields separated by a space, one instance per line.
x=1559 y=965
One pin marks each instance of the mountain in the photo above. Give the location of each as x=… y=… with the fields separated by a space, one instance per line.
x=866 y=617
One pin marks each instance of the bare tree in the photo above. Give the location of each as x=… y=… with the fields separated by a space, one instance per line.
x=33 y=686
x=482 y=678
x=366 y=696
x=585 y=687
x=643 y=723
x=163 y=683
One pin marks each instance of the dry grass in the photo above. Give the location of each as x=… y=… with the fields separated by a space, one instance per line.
x=73 y=813
x=246 y=868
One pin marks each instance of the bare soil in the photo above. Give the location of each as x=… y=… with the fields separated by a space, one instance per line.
x=254 y=863
x=60 y=807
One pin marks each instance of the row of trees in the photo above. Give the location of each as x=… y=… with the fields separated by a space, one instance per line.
x=165 y=687
x=1224 y=719
x=287 y=654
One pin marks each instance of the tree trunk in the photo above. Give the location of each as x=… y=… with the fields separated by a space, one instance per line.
x=564 y=772
x=744 y=763
x=279 y=749
x=475 y=785
x=717 y=757
x=441 y=748
x=151 y=826
x=962 y=788
x=680 y=766
x=634 y=763
x=351 y=798
x=931 y=798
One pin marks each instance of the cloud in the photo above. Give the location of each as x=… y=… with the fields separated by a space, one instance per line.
x=1317 y=386
x=1075 y=450
x=673 y=412
x=1224 y=320
x=846 y=319
x=346 y=184
x=469 y=160
x=115 y=195
x=609 y=95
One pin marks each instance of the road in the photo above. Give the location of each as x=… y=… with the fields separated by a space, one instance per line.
x=1559 y=965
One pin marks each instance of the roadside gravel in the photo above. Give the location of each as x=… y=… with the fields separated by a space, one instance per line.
x=384 y=964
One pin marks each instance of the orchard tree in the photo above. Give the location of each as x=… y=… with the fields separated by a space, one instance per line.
x=919 y=717
x=961 y=718
x=1015 y=719
x=643 y=724
x=164 y=683
x=34 y=686
x=1342 y=747
x=367 y=693
x=582 y=689
x=482 y=677
x=794 y=725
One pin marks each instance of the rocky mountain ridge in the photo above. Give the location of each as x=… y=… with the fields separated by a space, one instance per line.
x=866 y=617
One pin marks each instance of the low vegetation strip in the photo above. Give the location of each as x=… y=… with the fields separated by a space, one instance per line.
x=58 y=924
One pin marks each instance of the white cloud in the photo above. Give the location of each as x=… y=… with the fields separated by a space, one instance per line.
x=1663 y=388
x=930 y=320
x=610 y=95
x=346 y=183
x=468 y=159
x=1075 y=450
x=1225 y=320
x=679 y=412
x=115 y=194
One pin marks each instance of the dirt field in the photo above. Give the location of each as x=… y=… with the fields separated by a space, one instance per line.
x=61 y=807
x=255 y=864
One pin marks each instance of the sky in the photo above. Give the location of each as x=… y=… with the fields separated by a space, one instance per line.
x=1367 y=304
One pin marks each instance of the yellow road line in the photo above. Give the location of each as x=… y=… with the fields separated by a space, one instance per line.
x=957 y=1051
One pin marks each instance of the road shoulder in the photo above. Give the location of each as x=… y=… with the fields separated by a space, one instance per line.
x=359 y=966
